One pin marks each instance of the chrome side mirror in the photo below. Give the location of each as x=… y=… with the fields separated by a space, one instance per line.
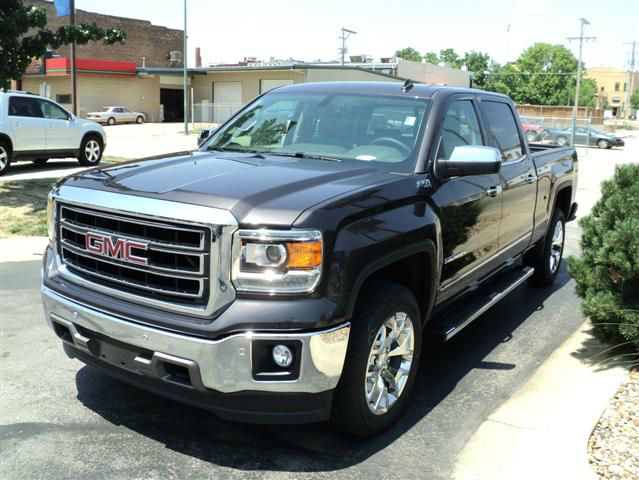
x=470 y=160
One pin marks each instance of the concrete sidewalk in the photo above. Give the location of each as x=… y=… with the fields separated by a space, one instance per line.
x=22 y=249
x=542 y=432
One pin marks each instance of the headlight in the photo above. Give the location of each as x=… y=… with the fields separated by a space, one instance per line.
x=50 y=217
x=277 y=261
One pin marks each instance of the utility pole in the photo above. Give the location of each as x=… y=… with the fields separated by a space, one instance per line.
x=74 y=87
x=581 y=39
x=631 y=77
x=186 y=92
x=345 y=34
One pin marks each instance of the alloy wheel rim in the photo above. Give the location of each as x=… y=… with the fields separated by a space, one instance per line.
x=3 y=158
x=389 y=363
x=92 y=151
x=556 y=247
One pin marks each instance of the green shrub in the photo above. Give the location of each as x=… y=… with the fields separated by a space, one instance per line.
x=607 y=273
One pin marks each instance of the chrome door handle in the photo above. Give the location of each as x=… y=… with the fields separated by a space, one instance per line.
x=17 y=124
x=531 y=178
x=494 y=191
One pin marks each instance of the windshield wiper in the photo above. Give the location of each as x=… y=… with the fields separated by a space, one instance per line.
x=305 y=155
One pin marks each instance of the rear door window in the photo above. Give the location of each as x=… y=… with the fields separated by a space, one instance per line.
x=502 y=128
x=24 y=107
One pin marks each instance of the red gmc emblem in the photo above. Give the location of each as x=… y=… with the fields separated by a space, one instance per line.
x=119 y=248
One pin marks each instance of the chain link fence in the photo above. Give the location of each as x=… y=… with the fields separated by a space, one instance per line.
x=558 y=130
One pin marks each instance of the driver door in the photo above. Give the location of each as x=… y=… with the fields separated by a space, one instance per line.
x=469 y=206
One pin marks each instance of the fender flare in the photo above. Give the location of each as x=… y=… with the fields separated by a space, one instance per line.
x=426 y=246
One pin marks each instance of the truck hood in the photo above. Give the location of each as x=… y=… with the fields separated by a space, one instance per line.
x=258 y=190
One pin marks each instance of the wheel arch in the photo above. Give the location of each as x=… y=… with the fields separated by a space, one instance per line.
x=415 y=267
x=92 y=133
x=6 y=138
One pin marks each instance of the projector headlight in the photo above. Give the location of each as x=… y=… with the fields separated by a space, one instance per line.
x=277 y=261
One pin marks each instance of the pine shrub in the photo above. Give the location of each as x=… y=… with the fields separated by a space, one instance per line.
x=607 y=273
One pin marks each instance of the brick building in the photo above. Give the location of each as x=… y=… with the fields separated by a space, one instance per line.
x=143 y=38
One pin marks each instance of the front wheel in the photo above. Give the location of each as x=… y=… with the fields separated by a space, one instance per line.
x=5 y=157
x=382 y=360
x=546 y=259
x=562 y=141
x=139 y=120
x=90 y=151
x=603 y=143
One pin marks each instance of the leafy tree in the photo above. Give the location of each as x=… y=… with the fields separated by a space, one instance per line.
x=505 y=79
x=634 y=99
x=588 y=93
x=409 y=53
x=431 y=57
x=477 y=63
x=450 y=57
x=548 y=72
x=18 y=46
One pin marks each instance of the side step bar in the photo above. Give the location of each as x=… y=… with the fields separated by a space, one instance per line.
x=458 y=316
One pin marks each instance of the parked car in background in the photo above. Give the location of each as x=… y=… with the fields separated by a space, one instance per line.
x=532 y=130
x=583 y=136
x=204 y=134
x=113 y=115
x=35 y=128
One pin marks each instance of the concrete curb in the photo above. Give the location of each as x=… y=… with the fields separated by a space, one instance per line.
x=543 y=430
x=22 y=249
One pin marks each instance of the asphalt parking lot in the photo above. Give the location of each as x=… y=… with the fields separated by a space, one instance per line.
x=62 y=420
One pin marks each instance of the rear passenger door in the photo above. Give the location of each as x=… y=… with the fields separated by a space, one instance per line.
x=470 y=206
x=518 y=177
x=28 y=125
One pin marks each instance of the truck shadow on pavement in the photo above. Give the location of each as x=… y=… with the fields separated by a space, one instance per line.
x=318 y=447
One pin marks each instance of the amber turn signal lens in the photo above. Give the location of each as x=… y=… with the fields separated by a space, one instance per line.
x=304 y=254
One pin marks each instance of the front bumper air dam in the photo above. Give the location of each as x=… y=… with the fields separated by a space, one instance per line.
x=212 y=374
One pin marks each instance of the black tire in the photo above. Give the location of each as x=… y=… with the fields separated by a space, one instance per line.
x=378 y=303
x=5 y=157
x=139 y=120
x=40 y=161
x=111 y=121
x=603 y=143
x=86 y=157
x=540 y=257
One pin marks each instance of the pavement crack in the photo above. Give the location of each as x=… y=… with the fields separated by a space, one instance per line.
x=518 y=427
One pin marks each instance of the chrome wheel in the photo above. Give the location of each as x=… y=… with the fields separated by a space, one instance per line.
x=4 y=158
x=389 y=363
x=556 y=247
x=92 y=151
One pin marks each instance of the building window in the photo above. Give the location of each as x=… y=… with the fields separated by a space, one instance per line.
x=602 y=89
x=63 y=98
x=616 y=86
x=625 y=87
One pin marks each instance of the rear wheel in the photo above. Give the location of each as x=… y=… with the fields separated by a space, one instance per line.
x=382 y=360
x=546 y=258
x=5 y=157
x=111 y=121
x=139 y=120
x=90 y=151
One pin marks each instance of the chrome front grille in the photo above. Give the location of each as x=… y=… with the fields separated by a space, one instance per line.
x=163 y=261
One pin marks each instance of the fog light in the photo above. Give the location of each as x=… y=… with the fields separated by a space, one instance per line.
x=282 y=355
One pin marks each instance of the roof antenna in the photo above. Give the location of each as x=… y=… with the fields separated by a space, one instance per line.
x=408 y=85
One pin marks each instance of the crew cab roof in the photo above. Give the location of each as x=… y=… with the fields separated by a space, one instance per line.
x=418 y=90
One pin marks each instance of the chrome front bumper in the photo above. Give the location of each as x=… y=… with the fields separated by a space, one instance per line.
x=223 y=365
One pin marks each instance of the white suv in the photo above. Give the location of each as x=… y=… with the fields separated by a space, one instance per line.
x=35 y=128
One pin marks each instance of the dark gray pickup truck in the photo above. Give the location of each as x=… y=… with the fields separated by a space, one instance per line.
x=289 y=269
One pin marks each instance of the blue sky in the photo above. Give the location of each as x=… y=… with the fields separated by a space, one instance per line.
x=309 y=29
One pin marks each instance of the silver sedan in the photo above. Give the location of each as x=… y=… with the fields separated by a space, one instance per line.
x=113 y=115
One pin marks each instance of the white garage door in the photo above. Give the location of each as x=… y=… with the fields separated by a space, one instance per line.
x=227 y=99
x=266 y=85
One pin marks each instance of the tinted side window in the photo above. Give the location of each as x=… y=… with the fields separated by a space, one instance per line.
x=24 y=107
x=54 y=112
x=503 y=129
x=460 y=127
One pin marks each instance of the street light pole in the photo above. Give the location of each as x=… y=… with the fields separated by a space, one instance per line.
x=74 y=84
x=186 y=92
x=345 y=34
x=581 y=39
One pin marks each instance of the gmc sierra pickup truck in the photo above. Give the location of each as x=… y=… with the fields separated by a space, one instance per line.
x=288 y=270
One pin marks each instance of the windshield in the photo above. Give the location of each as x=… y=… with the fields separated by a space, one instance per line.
x=342 y=127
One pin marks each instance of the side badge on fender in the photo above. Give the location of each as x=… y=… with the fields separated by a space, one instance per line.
x=424 y=183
